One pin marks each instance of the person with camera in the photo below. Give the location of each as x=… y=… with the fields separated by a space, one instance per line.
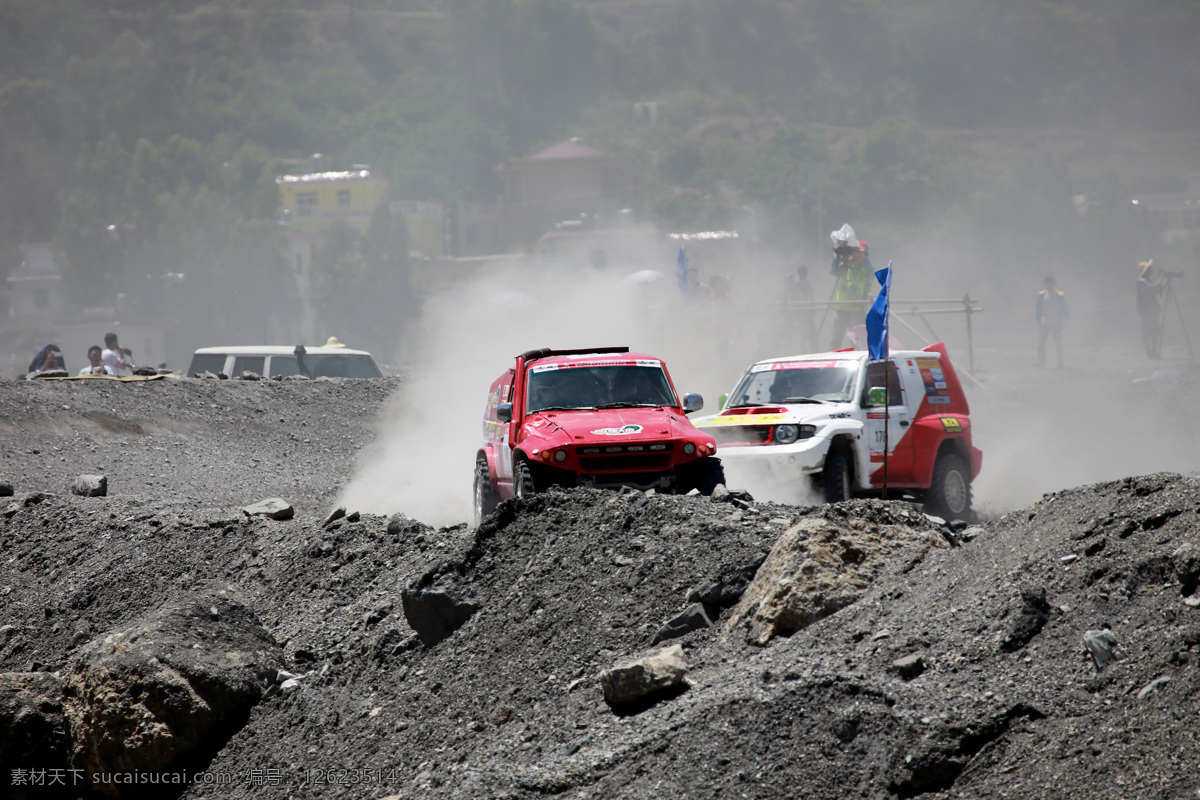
x=853 y=271
x=96 y=365
x=114 y=356
x=1149 y=292
x=48 y=360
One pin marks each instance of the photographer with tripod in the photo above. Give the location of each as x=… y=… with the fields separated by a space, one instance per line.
x=1150 y=307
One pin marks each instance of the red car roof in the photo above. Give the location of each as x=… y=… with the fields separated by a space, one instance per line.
x=596 y=359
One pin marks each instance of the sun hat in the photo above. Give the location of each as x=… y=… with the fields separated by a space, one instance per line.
x=844 y=237
x=333 y=342
x=1143 y=266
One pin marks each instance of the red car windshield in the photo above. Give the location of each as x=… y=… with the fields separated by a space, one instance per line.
x=613 y=386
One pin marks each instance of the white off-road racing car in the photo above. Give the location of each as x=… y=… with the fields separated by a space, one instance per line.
x=819 y=421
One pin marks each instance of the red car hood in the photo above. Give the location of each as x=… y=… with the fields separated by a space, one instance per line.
x=609 y=426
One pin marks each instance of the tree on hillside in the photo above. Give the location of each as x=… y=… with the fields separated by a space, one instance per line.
x=800 y=184
x=361 y=286
x=530 y=64
x=898 y=161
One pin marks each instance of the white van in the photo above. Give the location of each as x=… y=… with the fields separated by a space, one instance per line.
x=271 y=361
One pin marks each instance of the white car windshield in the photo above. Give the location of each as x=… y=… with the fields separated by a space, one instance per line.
x=795 y=382
x=614 y=386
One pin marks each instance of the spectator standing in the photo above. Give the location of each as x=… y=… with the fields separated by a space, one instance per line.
x=114 y=356
x=1149 y=289
x=854 y=273
x=96 y=365
x=1052 y=315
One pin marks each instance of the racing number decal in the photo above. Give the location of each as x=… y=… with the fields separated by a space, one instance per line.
x=951 y=424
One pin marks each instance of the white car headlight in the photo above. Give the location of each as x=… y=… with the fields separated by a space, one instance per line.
x=786 y=434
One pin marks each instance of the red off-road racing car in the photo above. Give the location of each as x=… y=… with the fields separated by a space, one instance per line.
x=599 y=417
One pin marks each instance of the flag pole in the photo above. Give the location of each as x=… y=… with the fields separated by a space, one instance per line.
x=887 y=419
x=877 y=348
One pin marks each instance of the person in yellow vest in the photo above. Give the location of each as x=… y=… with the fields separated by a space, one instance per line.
x=1052 y=315
x=853 y=293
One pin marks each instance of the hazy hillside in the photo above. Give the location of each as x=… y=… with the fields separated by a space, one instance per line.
x=143 y=138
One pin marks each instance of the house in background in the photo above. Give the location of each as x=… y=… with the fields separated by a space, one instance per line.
x=426 y=227
x=35 y=288
x=313 y=204
x=1173 y=215
x=570 y=181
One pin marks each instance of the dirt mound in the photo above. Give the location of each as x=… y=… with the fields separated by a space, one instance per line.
x=959 y=664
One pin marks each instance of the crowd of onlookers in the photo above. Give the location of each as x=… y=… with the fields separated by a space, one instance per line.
x=112 y=359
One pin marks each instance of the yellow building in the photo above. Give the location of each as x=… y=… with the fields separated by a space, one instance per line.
x=426 y=234
x=313 y=202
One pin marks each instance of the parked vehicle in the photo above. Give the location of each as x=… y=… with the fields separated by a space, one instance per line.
x=271 y=361
x=821 y=418
x=599 y=417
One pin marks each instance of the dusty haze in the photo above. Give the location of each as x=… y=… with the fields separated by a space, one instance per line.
x=1040 y=429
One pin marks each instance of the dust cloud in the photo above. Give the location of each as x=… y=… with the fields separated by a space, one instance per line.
x=1109 y=414
x=421 y=464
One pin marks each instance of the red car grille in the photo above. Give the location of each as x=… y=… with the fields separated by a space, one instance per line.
x=625 y=461
x=741 y=434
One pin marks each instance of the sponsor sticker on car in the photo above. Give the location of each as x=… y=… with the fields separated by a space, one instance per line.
x=952 y=424
x=741 y=419
x=936 y=391
x=794 y=365
x=622 y=362
x=624 y=430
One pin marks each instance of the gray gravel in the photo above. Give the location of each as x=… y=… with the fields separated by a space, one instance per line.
x=960 y=673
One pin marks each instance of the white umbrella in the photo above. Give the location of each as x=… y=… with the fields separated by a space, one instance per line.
x=642 y=276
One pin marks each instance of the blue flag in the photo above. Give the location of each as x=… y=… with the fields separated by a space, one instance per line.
x=681 y=273
x=877 y=317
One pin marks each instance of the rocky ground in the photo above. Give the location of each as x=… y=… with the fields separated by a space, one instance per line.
x=856 y=650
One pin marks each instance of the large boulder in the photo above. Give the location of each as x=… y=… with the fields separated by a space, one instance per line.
x=90 y=486
x=637 y=679
x=819 y=566
x=272 y=508
x=169 y=689
x=435 y=613
x=32 y=734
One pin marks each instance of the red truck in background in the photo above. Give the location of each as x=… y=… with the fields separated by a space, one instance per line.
x=599 y=417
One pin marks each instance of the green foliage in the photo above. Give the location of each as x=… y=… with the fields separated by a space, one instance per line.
x=898 y=161
x=361 y=286
x=529 y=64
x=143 y=136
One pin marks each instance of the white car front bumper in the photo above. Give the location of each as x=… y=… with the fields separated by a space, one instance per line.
x=776 y=473
x=802 y=457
